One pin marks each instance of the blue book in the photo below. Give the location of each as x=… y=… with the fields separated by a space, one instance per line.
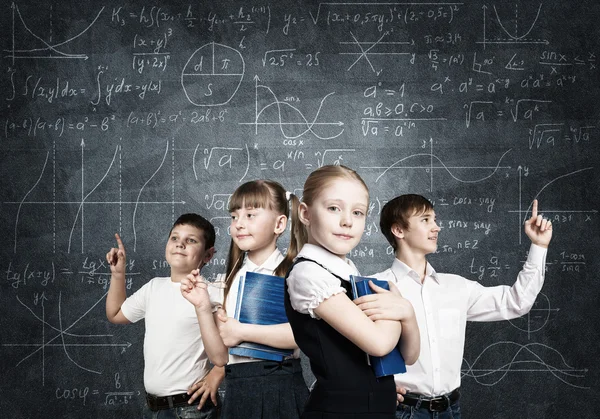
x=392 y=363
x=260 y=301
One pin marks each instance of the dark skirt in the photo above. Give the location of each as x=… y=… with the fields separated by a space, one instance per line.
x=375 y=401
x=264 y=390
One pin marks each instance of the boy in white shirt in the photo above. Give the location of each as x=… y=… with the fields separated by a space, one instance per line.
x=174 y=355
x=444 y=302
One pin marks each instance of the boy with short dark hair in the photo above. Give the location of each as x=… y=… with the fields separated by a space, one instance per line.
x=444 y=302
x=174 y=356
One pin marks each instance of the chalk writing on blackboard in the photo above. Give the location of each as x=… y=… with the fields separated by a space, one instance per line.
x=370 y=48
x=496 y=31
x=49 y=50
x=500 y=359
x=57 y=337
x=425 y=162
x=119 y=116
x=555 y=215
x=213 y=74
x=288 y=118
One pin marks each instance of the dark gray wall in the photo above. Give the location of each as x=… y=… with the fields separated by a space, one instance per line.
x=119 y=116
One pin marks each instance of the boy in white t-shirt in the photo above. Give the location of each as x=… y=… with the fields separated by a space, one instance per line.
x=174 y=355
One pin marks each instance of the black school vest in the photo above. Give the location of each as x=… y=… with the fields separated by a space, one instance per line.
x=345 y=382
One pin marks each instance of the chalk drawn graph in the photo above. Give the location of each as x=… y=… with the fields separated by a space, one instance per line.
x=116 y=164
x=290 y=120
x=376 y=48
x=498 y=32
x=435 y=163
x=44 y=48
x=537 y=318
x=500 y=359
x=524 y=213
x=60 y=336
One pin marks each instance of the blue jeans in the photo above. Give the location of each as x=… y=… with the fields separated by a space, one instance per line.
x=185 y=412
x=411 y=412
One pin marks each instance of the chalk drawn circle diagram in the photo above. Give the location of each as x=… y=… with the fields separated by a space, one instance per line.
x=212 y=75
x=537 y=318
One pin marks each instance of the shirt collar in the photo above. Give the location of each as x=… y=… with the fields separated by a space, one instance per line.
x=270 y=264
x=334 y=264
x=401 y=269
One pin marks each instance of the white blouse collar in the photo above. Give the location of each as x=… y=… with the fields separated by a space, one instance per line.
x=334 y=264
x=270 y=264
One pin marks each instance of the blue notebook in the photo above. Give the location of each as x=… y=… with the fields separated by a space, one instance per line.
x=260 y=301
x=392 y=363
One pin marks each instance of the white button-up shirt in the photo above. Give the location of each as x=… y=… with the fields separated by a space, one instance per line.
x=443 y=303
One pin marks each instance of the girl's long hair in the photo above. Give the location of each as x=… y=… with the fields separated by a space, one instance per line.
x=270 y=195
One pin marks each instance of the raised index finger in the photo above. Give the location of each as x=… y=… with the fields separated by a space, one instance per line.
x=119 y=242
x=534 y=210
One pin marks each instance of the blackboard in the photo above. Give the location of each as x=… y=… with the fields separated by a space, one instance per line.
x=119 y=116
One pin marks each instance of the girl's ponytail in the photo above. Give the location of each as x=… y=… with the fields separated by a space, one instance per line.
x=298 y=237
x=234 y=262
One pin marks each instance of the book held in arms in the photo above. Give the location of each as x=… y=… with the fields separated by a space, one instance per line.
x=260 y=301
x=392 y=363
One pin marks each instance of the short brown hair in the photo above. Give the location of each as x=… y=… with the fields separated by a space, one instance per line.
x=201 y=223
x=399 y=210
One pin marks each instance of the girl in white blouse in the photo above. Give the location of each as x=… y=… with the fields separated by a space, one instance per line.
x=255 y=389
x=328 y=327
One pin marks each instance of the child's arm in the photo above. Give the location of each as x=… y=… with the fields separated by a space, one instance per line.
x=410 y=341
x=384 y=305
x=376 y=338
x=503 y=302
x=233 y=333
x=116 y=291
x=195 y=290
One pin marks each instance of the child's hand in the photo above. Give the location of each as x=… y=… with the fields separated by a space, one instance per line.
x=207 y=387
x=538 y=228
x=229 y=329
x=385 y=305
x=116 y=258
x=400 y=392
x=194 y=289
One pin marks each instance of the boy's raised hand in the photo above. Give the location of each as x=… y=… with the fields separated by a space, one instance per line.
x=116 y=257
x=385 y=305
x=538 y=228
x=195 y=289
